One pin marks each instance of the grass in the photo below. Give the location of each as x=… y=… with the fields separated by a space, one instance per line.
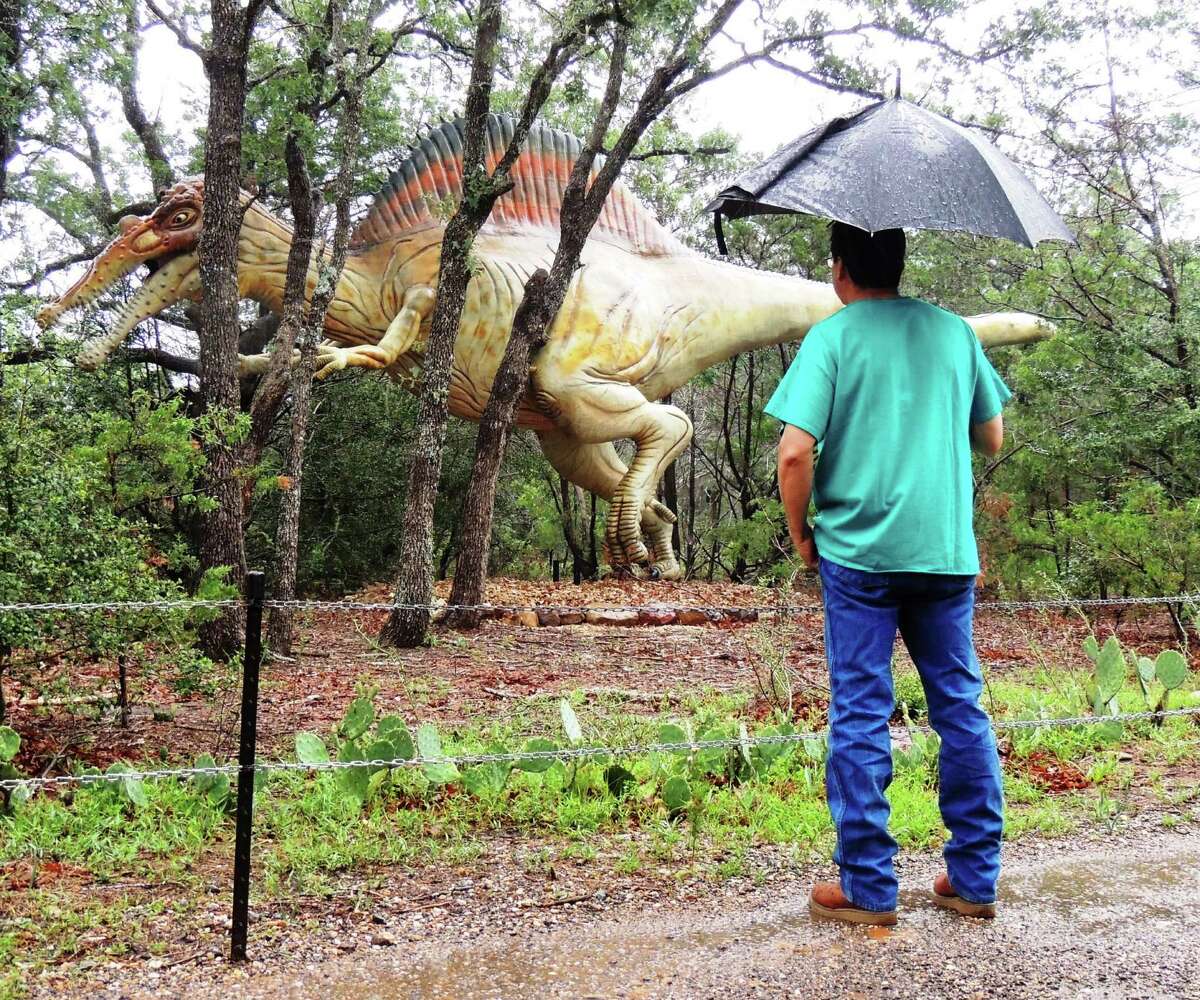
x=309 y=835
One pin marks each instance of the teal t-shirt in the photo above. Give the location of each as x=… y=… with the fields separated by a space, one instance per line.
x=890 y=388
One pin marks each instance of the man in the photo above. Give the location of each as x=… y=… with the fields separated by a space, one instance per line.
x=894 y=392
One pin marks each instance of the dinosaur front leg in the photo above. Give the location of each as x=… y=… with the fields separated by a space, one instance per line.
x=401 y=334
x=257 y=364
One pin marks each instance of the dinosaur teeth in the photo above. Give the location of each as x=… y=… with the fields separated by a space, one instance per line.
x=177 y=279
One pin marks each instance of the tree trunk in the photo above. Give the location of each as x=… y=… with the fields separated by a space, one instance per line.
x=221 y=539
x=528 y=334
x=311 y=321
x=406 y=626
x=12 y=15
x=287 y=537
x=409 y=621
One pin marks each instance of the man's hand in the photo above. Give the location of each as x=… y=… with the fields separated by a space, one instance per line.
x=795 y=489
x=807 y=549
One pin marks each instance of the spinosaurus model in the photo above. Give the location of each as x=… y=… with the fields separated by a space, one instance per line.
x=643 y=315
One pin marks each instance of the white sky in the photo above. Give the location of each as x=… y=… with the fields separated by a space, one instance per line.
x=764 y=106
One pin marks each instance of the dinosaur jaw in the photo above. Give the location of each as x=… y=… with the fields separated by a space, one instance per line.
x=175 y=280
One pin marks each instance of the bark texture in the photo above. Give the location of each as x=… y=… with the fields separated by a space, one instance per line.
x=221 y=539
x=409 y=622
x=494 y=428
x=414 y=583
x=349 y=83
x=12 y=14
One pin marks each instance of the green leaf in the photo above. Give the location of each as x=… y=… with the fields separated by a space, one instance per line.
x=744 y=743
x=359 y=717
x=618 y=779
x=428 y=741
x=570 y=722
x=1091 y=648
x=379 y=750
x=310 y=749
x=131 y=788
x=1171 y=669
x=430 y=744
x=393 y=729
x=486 y=779
x=1110 y=669
x=1145 y=675
x=671 y=733
x=815 y=749
x=768 y=753
x=353 y=780
x=214 y=787
x=535 y=745
x=10 y=743
x=677 y=793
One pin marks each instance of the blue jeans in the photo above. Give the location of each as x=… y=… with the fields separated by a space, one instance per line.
x=933 y=613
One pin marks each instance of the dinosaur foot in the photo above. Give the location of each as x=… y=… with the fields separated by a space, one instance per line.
x=666 y=570
x=332 y=359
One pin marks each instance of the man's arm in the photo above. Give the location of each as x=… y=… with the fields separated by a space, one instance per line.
x=795 y=488
x=987 y=438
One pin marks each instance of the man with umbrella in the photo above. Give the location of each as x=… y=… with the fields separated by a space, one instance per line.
x=882 y=407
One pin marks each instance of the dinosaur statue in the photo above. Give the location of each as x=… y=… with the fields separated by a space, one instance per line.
x=643 y=315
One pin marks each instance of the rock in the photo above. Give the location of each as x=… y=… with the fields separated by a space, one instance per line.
x=527 y=618
x=382 y=939
x=692 y=616
x=547 y=617
x=657 y=616
x=570 y=618
x=614 y=616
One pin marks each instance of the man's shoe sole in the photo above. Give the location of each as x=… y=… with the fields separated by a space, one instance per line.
x=985 y=911
x=853 y=915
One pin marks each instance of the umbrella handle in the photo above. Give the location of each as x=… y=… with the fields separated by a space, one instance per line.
x=722 y=249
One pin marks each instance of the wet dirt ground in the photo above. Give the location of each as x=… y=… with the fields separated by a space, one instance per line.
x=1107 y=920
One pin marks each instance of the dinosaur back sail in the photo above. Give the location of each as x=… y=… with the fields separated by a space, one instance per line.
x=433 y=173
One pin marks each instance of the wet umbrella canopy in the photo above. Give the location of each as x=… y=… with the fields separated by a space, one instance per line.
x=896 y=165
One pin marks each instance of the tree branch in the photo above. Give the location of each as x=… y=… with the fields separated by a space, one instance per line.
x=164 y=359
x=680 y=151
x=178 y=31
x=161 y=173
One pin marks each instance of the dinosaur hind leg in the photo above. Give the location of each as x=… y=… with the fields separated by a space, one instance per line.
x=598 y=469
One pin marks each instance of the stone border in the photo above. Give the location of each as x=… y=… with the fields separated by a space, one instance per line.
x=650 y=616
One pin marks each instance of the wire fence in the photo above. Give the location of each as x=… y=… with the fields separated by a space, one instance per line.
x=248 y=765
x=599 y=751
x=300 y=605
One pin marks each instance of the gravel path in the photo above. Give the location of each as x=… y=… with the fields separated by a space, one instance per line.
x=1116 y=917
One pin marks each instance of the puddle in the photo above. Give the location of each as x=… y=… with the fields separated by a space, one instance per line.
x=612 y=961
x=1110 y=891
x=631 y=959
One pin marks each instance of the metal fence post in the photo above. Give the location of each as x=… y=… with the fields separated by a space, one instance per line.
x=251 y=661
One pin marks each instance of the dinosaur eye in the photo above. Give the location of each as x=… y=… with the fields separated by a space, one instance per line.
x=182 y=218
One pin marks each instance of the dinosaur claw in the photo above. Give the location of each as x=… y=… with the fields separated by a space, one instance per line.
x=663 y=511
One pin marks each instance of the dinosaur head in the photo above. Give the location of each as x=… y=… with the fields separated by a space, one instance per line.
x=167 y=241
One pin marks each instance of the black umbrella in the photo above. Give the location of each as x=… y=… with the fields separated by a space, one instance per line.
x=895 y=165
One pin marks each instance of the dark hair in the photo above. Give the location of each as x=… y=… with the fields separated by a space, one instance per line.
x=874 y=260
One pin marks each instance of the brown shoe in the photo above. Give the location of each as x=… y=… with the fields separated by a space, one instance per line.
x=945 y=897
x=827 y=900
